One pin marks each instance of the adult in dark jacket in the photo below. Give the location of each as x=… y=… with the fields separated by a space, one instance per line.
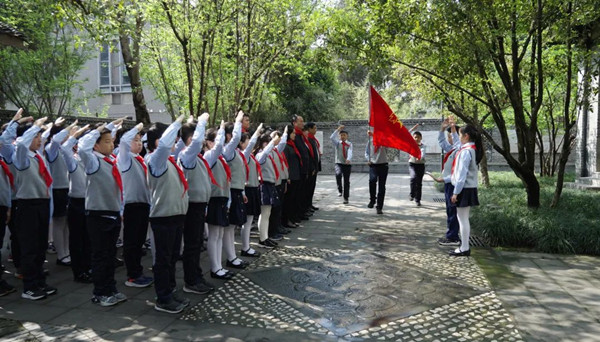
x=306 y=151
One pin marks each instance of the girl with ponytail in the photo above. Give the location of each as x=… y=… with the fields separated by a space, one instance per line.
x=465 y=179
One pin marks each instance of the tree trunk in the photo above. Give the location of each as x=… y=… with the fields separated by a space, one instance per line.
x=483 y=168
x=131 y=57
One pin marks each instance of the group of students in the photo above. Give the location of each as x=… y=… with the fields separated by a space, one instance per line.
x=463 y=150
x=215 y=178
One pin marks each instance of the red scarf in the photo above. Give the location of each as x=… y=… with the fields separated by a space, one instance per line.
x=245 y=164
x=181 y=175
x=446 y=156
x=344 y=152
x=281 y=159
x=298 y=131
x=44 y=171
x=9 y=174
x=226 y=167
x=312 y=137
x=258 y=170
x=208 y=169
x=141 y=160
x=116 y=174
x=275 y=167
x=291 y=143
x=458 y=153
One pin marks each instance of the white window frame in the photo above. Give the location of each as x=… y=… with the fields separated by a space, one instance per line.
x=113 y=87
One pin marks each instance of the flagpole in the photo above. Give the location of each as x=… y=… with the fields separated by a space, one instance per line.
x=369 y=119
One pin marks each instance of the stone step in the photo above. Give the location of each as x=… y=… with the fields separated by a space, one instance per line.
x=580 y=186
x=594 y=181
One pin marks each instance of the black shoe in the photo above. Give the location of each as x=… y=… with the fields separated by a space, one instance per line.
x=199 y=288
x=173 y=307
x=448 y=242
x=340 y=194
x=6 y=288
x=119 y=262
x=308 y=213
x=346 y=201
x=62 y=262
x=304 y=218
x=284 y=231
x=241 y=263
x=84 y=278
x=371 y=204
x=379 y=211
x=460 y=253
x=33 y=294
x=250 y=253
x=221 y=274
x=412 y=198
x=180 y=299
x=418 y=203
x=49 y=290
x=314 y=208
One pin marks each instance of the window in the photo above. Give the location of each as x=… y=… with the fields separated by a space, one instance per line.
x=113 y=77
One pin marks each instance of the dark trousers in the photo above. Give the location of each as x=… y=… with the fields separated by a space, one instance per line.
x=3 y=216
x=103 y=229
x=290 y=211
x=301 y=194
x=167 y=232
x=15 y=249
x=32 y=222
x=310 y=192
x=79 y=239
x=343 y=170
x=452 y=219
x=377 y=178
x=193 y=229
x=135 y=229
x=275 y=217
x=416 y=180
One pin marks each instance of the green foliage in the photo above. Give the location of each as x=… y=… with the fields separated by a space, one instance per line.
x=41 y=78
x=505 y=220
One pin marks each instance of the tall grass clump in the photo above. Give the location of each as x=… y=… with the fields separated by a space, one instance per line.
x=505 y=220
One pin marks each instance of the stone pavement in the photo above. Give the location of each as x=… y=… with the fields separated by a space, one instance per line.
x=347 y=275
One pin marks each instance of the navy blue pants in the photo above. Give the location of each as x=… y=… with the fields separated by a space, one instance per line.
x=377 y=178
x=103 y=229
x=32 y=222
x=79 y=239
x=343 y=170
x=416 y=172
x=135 y=229
x=168 y=232
x=193 y=229
x=452 y=219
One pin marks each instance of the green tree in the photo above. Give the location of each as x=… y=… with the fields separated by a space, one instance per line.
x=489 y=52
x=41 y=78
x=109 y=21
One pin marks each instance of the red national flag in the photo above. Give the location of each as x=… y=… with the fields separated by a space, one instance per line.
x=388 y=130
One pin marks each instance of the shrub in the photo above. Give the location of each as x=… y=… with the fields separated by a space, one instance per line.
x=505 y=220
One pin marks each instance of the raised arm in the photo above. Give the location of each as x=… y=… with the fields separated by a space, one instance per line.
x=189 y=153
x=53 y=148
x=252 y=142
x=85 y=149
x=236 y=135
x=262 y=156
x=124 y=156
x=334 y=136
x=213 y=154
x=158 y=159
x=21 y=158
x=283 y=141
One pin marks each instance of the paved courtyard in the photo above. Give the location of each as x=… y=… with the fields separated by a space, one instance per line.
x=346 y=275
